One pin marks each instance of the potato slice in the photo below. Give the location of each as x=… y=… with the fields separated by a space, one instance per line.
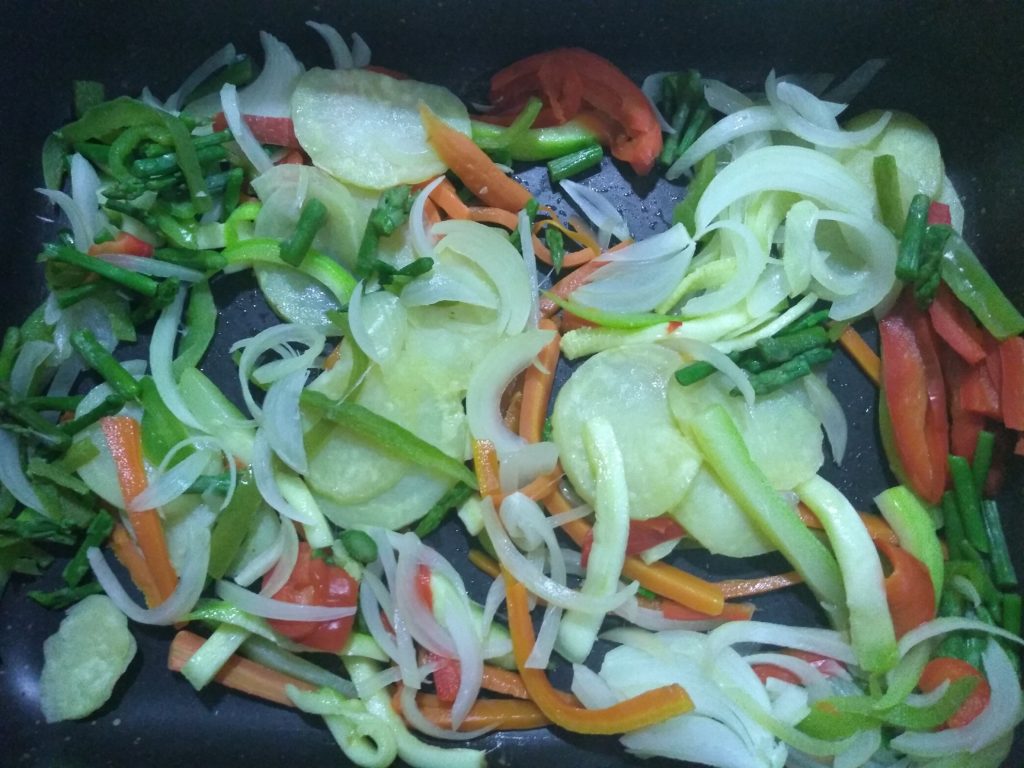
x=364 y=128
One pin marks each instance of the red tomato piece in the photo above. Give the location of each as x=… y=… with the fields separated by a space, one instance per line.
x=314 y=581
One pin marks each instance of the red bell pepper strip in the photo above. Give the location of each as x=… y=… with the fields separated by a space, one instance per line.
x=979 y=394
x=943 y=668
x=1011 y=362
x=277 y=131
x=938 y=213
x=965 y=425
x=571 y=82
x=909 y=589
x=423 y=589
x=643 y=534
x=915 y=396
x=124 y=243
x=955 y=324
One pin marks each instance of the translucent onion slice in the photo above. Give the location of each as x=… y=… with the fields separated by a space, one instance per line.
x=241 y=132
x=199 y=75
x=270 y=339
x=32 y=355
x=285 y=563
x=378 y=323
x=12 y=476
x=946 y=624
x=154 y=267
x=651 y=88
x=263 y=561
x=268 y=608
x=449 y=282
x=282 y=423
x=374 y=600
x=655 y=621
x=798 y=245
x=786 y=169
x=270 y=94
x=340 y=53
x=724 y=98
x=816 y=683
x=530 y=262
x=876 y=247
x=536 y=581
x=654 y=248
x=411 y=713
x=85 y=190
x=828 y=410
x=818 y=111
x=263 y=473
x=800 y=126
x=172 y=484
x=76 y=217
x=192 y=579
x=422 y=242
x=747 y=121
x=823 y=641
x=599 y=211
x=698 y=350
x=1002 y=714
x=161 y=357
x=361 y=53
x=751 y=259
x=855 y=82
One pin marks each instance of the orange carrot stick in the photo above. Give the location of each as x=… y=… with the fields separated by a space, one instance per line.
x=498 y=714
x=509 y=221
x=567 y=285
x=498 y=680
x=648 y=708
x=430 y=213
x=447 y=199
x=238 y=673
x=732 y=588
x=125 y=442
x=472 y=165
x=485 y=464
x=540 y=487
x=660 y=578
x=876 y=526
x=537 y=384
x=863 y=355
x=570 y=322
x=129 y=556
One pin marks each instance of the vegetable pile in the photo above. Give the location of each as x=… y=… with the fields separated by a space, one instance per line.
x=282 y=526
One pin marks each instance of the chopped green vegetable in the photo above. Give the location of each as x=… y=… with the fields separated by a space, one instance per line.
x=567 y=166
x=967 y=278
x=105 y=364
x=909 y=260
x=1003 y=572
x=968 y=502
x=452 y=499
x=359 y=546
x=311 y=220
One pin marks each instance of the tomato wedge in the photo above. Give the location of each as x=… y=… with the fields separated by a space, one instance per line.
x=915 y=394
x=314 y=581
x=574 y=82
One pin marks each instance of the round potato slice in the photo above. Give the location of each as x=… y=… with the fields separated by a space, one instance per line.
x=627 y=386
x=364 y=128
x=709 y=515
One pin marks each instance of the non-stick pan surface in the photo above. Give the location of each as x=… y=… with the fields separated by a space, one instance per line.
x=957 y=66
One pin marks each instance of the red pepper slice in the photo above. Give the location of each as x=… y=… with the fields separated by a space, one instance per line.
x=938 y=213
x=1011 y=362
x=909 y=589
x=447 y=676
x=123 y=243
x=943 y=668
x=965 y=425
x=574 y=82
x=955 y=325
x=316 y=582
x=824 y=664
x=276 y=131
x=979 y=393
x=643 y=534
x=916 y=398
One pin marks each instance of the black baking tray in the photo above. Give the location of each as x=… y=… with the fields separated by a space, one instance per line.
x=959 y=66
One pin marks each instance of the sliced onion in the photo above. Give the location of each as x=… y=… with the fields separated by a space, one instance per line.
x=389 y=676
x=280 y=610
x=748 y=340
x=786 y=169
x=751 y=259
x=422 y=242
x=89 y=313
x=161 y=357
x=85 y=191
x=495 y=597
x=946 y=624
x=486 y=385
x=378 y=323
x=1000 y=716
x=770 y=291
x=154 y=267
x=822 y=641
x=651 y=88
x=655 y=621
x=32 y=355
x=361 y=53
x=828 y=410
x=536 y=581
x=965 y=587
x=199 y=75
x=449 y=282
x=263 y=474
x=263 y=561
x=411 y=713
x=76 y=216
x=803 y=128
x=65 y=376
x=590 y=689
x=599 y=210
x=698 y=350
x=724 y=98
x=810 y=676
x=804 y=102
x=270 y=94
x=564 y=518
x=13 y=477
x=171 y=484
x=281 y=420
x=798 y=245
x=192 y=579
x=742 y=123
x=285 y=563
x=241 y=132
x=856 y=81
x=269 y=339
x=374 y=600
x=877 y=248
x=530 y=261
x=340 y=53
x=653 y=248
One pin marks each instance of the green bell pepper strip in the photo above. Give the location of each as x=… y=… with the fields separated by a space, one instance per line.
x=99 y=530
x=200 y=327
x=618 y=320
x=871 y=627
x=389 y=436
x=232 y=526
x=968 y=501
x=973 y=285
x=913 y=527
x=334 y=277
x=452 y=499
x=887 y=188
x=537 y=143
x=161 y=429
x=515 y=130
x=722 y=446
x=9 y=352
x=685 y=211
x=105 y=119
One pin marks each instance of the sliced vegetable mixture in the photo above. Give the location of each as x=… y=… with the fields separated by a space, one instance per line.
x=281 y=522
